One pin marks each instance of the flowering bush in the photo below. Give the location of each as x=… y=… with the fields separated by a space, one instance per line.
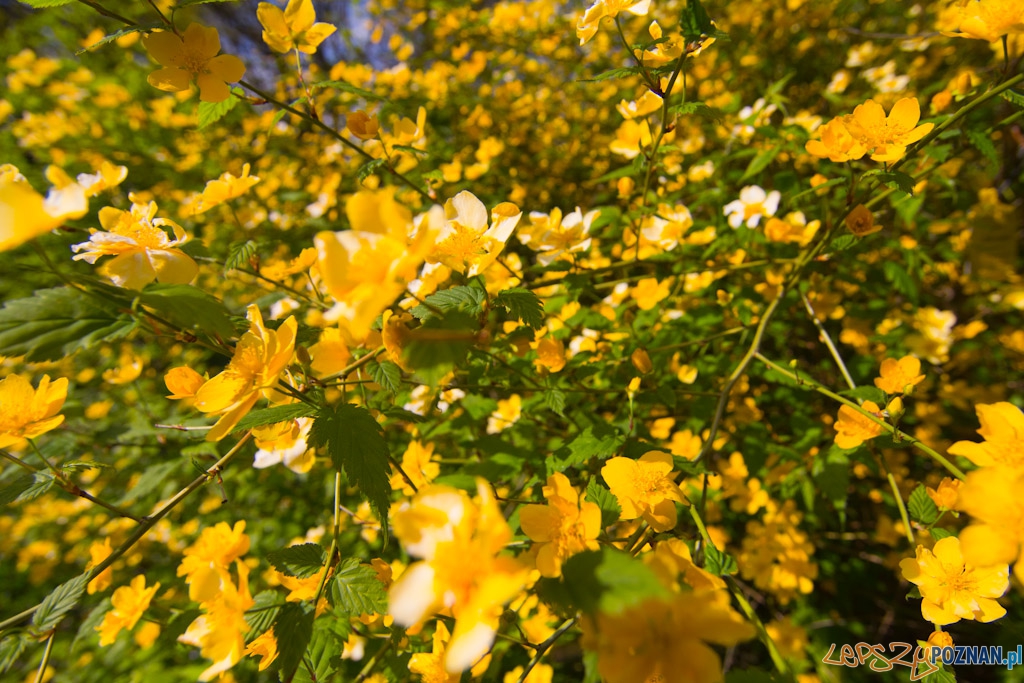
x=447 y=359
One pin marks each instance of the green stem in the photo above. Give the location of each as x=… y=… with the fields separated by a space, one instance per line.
x=544 y=647
x=762 y=633
x=41 y=672
x=828 y=341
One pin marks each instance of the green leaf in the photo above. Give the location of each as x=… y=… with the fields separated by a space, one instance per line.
x=897 y=180
x=831 y=473
x=469 y=300
x=938 y=533
x=867 y=393
x=41 y=4
x=371 y=167
x=900 y=279
x=282 y=112
x=273 y=415
x=760 y=162
x=441 y=341
x=983 y=144
x=57 y=322
x=349 y=88
x=1013 y=97
x=718 y=562
x=555 y=401
x=842 y=243
x=324 y=652
x=388 y=375
x=189 y=307
x=609 y=581
x=921 y=507
x=58 y=603
x=211 y=112
x=240 y=255
x=26 y=487
x=523 y=305
x=697 y=109
x=11 y=648
x=610 y=510
x=293 y=629
x=356 y=590
x=265 y=608
x=623 y=72
x=694 y=21
x=118 y=34
x=301 y=561
x=597 y=441
x=357 y=446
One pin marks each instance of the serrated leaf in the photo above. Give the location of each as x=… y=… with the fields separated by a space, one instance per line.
x=387 y=374
x=265 y=608
x=984 y=144
x=118 y=34
x=867 y=393
x=240 y=254
x=694 y=21
x=153 y=479
x=897 y=180
x=356 y=590
x=57 y=322
x=610 y=510
x=370 y=167
x=211 y=112
x=842 y=243
x=595 y=442
x=697 y=109
x=523 y=305
x=13 y=490
x=39 y=483
x=273 y=415
x=87 y=629
x=608 y=581
x=718 y=562
x=921 y=507
x=938 y=533
x=469 y=300
x=623 y=72
x=349 y=88
x=62 y=600
x=301 y=561
x=357 y=446
x=189 y=307
x=555 y=401
x=293 y=629
x=900 y=279
x=1013 y=97
x=11 y=647
x=760 y=162
x=324 y=651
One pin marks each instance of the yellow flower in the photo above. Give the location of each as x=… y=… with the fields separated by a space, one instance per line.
x=644 y=488
x=25 y=214
x=26 y=413
x=141 y=249
x=458 y=541
x=945 y=497
x=550 y=354
x=97 y=553
x=261 y=355
x=193 y=57
x=952 y=590
x=220 y=631
x=991 y=495
x=887 y=136
x=129 y=367
x=836 y=143
x=285 y=443
x=508 y=413
x=666 y=640
x=1002 y=427
x=362 y=125
x=898 y=376
x=418 y=465
x=206 y=561
x=854 y=428
x=367 y=267
x=430 y=665
x=861 y=221
x=648 y=292
x=567 y=525
x=129 y=602
x=672 y=560
x=588 y=24
x=183 y=382
x=293 y=28
x=990 y=20
x=264 y=647
x=224 y=189
x=793 y=228
x=466 y=244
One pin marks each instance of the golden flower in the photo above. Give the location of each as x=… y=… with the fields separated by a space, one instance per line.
x=261 y=355
x=285 y=443
x=588 y=24
x=183 y=382
x=990 y=20
x=567 y=525
x=550 y=354
x=1002 y=428
x=854 y=428
x=129 y=602
x=887 y=136
x=861 y=221
x=141 y=249
x=206 y=561
x=362 y=125
x=836 y=143
x=97 y=553
x=898 y=376
x=223 y=189
x=644 y=488
x=193 y=56
x=430 y=665
x=952 y=590
x=991 y=495
x=419 y=465
x=25 y=413
x=945 y=497
x=294 y=28
x=264 y=647
x=466 y=244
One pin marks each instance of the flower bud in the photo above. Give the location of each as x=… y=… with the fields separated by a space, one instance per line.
x=641 y=361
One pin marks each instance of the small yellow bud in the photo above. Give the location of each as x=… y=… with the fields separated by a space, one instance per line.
x=895 y=409
x=641 y=361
